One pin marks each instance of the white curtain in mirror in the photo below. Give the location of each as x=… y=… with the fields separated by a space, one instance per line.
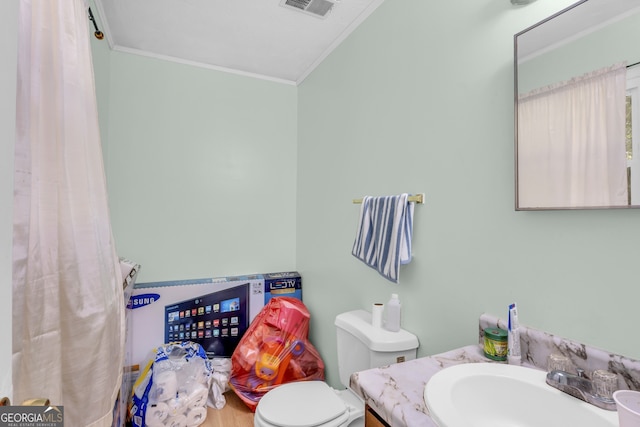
x=571 y=142
x=68 y=310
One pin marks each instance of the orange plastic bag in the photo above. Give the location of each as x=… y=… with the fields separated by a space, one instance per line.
x=274 y=350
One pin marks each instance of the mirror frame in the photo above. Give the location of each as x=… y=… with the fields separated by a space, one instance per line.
x=515 y=82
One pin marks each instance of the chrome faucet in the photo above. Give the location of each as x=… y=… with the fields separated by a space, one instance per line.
x=579 y=386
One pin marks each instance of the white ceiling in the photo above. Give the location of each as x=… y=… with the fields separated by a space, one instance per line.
x=252 y=37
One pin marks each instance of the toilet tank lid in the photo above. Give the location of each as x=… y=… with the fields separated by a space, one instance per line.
x=358 y=323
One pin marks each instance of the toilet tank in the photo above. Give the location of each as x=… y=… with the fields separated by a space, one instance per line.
x=362 y=346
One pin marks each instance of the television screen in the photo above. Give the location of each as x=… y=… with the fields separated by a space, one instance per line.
x=216 y=321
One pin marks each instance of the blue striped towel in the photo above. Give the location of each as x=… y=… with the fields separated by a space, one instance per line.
x=383 y=240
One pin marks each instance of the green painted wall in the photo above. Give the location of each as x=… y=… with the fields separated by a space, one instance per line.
x=420 y=99
x=201 y=169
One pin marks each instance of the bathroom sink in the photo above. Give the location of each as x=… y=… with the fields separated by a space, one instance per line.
x=501 y=395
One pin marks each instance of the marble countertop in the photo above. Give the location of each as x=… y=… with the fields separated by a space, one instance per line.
x=395 y=392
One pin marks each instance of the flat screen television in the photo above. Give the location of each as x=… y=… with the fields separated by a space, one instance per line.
x=216 y=321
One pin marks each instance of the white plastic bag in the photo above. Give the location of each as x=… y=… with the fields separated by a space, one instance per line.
x=220 y=381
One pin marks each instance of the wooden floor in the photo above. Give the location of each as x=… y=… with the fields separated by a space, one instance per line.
x=234 y=414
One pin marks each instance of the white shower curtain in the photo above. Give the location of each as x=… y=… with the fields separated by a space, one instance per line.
x=571 y=142
x=68 y=313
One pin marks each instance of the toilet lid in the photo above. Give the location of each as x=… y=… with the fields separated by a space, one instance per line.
x=301 y=404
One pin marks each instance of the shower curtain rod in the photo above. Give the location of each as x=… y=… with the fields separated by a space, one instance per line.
x=633 y=65
x=99 y=34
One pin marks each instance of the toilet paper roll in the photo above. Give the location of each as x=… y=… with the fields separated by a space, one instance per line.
x=377 y=310
x=166 y=385
x=177 y=406
x=177 y=421
x=196 y=416
x=197 y=395
x=155 y=414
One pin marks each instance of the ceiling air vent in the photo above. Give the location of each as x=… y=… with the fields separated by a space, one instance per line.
x=318 y=8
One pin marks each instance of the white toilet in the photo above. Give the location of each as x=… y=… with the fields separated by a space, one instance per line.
x=313 y=403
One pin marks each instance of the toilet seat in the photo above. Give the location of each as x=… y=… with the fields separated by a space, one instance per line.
x=301 y=404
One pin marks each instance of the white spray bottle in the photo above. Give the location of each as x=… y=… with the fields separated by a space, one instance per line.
x=393 y=314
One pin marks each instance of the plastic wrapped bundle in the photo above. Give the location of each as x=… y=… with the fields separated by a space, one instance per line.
x=173 y=388
x=274 y=350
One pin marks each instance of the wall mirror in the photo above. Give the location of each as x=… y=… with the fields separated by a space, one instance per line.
x=577 y=108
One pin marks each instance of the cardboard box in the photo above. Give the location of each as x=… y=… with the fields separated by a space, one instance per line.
x=214 y=312
x=129 y=270
x=288 y=284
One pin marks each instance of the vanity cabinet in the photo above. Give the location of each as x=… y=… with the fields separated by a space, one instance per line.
x=371 y=419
